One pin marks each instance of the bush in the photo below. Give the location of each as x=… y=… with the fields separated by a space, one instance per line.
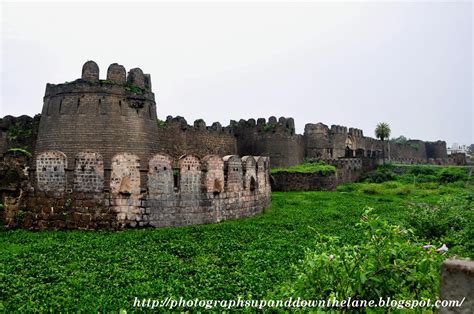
x=378 y=176
x=370 y=189
x=450 y=220
x=424 y=170
x=452 y=174
x=346 y=188
x=19 y=151
x=387 y=262
x=402 y=190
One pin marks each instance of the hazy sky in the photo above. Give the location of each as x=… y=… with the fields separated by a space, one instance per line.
x=348 y=63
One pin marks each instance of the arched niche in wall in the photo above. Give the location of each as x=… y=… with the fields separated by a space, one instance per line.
x=89 y=172
x=233 y=173
x=125 y=176
x=213 y=174
x=190 y=174
x=249 y=172
x=160 y=175
x=51 y=171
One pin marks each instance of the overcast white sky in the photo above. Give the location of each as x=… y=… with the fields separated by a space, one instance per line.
x=354 y=64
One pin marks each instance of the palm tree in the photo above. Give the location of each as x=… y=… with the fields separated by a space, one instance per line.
x=382 y=132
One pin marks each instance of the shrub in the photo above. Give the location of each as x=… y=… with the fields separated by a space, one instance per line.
x=17 y=132
x=402 y=190
x=134 y=89
x=391 y=185
x=452 y=174
x=424 y=170
x=19 y=151
x=449 y=220
x=346 y=188
x=378 y=176
x=387 y=262
x=370 y=189
x=161 y=123
x=268 y=127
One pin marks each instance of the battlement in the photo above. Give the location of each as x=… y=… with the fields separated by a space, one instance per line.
x=198 y=125
x=338 y=129
x=282 y=125
x=316 y=128
x=136 y=85
x=86 y=173
x=116 y=74
x=356 y=132
x=107 y=116
x=168 y=192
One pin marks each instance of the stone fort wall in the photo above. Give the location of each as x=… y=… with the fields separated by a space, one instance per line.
x=247 y=137
x=108 y=116
x=118 y=114
x=73 y=193
x=347 y=170
x=275 y=138
x=322 y=142
x=177 y=138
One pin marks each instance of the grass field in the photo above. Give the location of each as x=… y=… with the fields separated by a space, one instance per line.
x=251 y=258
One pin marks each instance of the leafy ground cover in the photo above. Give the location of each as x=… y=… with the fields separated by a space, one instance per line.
x=308 y=167
x=277 y=253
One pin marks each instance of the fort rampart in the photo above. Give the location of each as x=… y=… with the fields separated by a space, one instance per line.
x=62 y=193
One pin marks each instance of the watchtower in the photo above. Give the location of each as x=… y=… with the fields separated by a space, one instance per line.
x=109 y=116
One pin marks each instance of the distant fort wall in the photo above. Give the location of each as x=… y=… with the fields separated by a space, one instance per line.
x=177 y=138
x=173 y=136
x=98 y=157
x=275 y=138
x=118 y=114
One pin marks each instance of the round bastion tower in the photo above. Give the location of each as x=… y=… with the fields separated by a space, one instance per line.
x=109 y=116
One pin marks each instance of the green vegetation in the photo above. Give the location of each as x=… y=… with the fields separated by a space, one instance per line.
x=17 y=132
x=382 y=132
x=134 y=89
x=308 y=244
x=161 y=123
x=471 y=149
x=268 y=127
x=387 y=261
x=308 y=167
x=19 y=151
x=404 y=141
x=106 y=82
x=399 y=140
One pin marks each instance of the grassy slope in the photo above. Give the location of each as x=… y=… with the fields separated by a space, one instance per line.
x=248 y=258
x=307 y=167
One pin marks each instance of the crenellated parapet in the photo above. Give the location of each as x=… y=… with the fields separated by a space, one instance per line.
x=275 y=138
x=198 y=125
x=281 y=125
x=169 y=192
x=177 y=138
x=338 y=129
x=106 y=116
x=356 y=132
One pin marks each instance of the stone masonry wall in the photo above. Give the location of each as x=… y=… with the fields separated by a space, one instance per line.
x=347 y=170
x=105 y=116
x=18 y=132
x=178 y=192
x=177 y=138
x=275 y=138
